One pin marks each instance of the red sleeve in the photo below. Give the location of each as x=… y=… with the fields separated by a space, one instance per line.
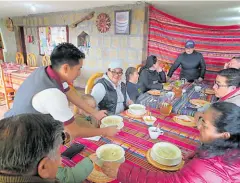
x=69 y=121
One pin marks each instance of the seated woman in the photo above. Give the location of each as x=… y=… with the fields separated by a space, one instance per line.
x=109 y=92
x=217 y=160
x=133 y=89
x=192 y=64
x=226 y=87
x=151 y=75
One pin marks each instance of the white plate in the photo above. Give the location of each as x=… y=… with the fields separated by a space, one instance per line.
x=119 y=120
x=138 y=113
x=121 y=159
x=120 y=126
x=146 y=120
x=163 y=160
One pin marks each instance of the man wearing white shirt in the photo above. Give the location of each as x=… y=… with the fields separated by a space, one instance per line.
x=46 y=91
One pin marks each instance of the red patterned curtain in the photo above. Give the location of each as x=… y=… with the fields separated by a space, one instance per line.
x=168 y=34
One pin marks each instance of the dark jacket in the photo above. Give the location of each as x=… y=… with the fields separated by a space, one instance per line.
x=134 y=91
x=150 y=79
x=109 y=102
x=211 y=170
x=192 y=66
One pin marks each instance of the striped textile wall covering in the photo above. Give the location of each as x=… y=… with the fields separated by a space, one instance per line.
x=168 y=34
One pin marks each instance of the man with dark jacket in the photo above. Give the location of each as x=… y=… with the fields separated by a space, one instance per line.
x=192 y=64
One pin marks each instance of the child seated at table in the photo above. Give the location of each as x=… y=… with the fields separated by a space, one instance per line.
x=133 y=89
x=82 y=118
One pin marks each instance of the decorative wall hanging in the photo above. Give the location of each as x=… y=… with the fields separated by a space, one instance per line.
x=103 y=22
x=87 y=17
x=49 y=37
x=9 y=24
x=83 y=43
x=122 y=22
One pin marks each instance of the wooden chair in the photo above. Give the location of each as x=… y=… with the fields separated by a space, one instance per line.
x=46 y=60
x=19 y=58
x=31 y=60
x=166 y=66
x=91 y=82
x=138 y=67
x=8 y=92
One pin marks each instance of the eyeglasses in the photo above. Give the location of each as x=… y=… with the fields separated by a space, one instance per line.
x=65 y=138
x=218 y=85
x=116 y=73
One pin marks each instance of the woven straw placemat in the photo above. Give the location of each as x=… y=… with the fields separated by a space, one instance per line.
x=163 y=167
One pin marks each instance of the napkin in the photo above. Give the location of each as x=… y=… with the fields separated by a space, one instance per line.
x=95 y=138
x=184 y=117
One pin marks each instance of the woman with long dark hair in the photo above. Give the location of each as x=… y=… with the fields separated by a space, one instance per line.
x=151 y=76
x=216 y=161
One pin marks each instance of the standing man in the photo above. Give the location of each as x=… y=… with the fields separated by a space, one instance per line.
x=46 y=91
x=192 y=64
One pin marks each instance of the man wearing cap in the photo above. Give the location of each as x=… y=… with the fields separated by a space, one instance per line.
x=192 y=64
x=109 y=92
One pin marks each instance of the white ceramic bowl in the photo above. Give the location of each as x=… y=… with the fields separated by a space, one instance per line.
x=171 y=154
x=154 y=132
x=137 y=109
x=149 y=120
x=197 y=88
x=110 y=149
x=119 y=126
x=112 y=121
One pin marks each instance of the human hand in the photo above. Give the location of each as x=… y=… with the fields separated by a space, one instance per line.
x=110 y=169
x=226 y=65
x=130 y=102
x=168 y=78
x=110 y=131
x=98 y=115
x=200 y=79
x=93 y=157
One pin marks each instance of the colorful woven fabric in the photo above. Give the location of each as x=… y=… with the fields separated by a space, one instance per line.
x=168 y=34
x=135 y=140
x=180 y=105
x=14 y=77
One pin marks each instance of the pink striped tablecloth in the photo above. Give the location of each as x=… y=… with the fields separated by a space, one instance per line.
x=14 y=76
x=135 y=140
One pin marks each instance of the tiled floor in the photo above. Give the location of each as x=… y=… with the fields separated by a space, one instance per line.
x=3 y=108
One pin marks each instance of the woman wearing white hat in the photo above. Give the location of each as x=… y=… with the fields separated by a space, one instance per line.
x=109 y=92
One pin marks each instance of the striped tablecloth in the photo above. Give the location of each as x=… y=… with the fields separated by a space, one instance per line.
x=180 y=105
x=135 y=140
x=14 y=76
